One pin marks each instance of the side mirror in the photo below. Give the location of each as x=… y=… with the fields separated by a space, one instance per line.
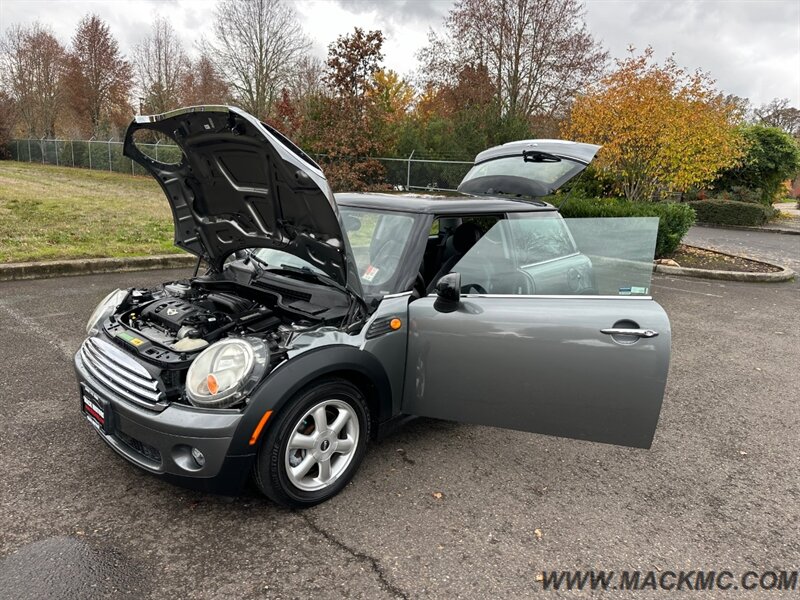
x=448 y=293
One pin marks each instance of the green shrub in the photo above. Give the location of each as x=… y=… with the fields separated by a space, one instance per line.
x=592 y=183
x=738 y=194
x=674 y=219
x=772 y=156
x=728 y=212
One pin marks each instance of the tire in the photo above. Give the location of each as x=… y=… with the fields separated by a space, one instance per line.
x=291 y=465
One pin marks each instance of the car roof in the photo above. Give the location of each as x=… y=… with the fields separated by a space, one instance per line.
x=430 y=204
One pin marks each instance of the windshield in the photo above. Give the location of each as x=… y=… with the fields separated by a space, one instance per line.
x=280 y=259
x=520 y=175
x=379 y=240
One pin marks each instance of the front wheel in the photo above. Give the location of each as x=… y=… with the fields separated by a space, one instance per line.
x=315 y=446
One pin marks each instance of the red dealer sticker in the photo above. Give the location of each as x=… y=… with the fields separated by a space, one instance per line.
x=370 y=273
x=93 y=411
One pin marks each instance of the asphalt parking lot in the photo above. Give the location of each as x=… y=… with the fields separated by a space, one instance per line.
x=718 y=490
x=783 y=249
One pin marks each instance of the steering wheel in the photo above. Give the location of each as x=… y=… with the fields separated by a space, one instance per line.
x=419 y=290
x=467 y=289
x=483 y=274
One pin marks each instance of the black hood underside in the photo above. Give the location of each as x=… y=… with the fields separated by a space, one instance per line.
x=240 y=185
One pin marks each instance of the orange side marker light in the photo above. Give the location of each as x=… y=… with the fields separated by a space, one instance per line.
x=395 y=324
x=259 y=427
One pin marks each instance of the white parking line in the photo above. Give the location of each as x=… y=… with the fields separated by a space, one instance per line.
x=65 y=349
x=666 y=287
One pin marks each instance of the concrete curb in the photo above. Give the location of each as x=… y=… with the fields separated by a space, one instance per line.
x=744 y=228
x=785 y=274
x=65 y=268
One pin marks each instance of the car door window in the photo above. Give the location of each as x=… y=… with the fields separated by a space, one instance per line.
x=544 y=254
x=539 y=240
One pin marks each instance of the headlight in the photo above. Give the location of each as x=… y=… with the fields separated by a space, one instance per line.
x=106 y=307
x=225 y=371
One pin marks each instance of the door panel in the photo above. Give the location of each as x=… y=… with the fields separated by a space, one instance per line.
x=541 y=364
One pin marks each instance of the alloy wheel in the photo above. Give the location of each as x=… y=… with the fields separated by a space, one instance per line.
x=321 y=445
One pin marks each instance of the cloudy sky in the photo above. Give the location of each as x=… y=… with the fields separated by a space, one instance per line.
x=752 y=47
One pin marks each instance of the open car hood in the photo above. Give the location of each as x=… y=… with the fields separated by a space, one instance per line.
x=241 y=184
x=527 y=168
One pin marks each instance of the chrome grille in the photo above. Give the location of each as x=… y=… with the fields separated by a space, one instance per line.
x=119 y=373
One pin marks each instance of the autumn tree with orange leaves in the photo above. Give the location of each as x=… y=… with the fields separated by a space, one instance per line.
x=98 y=79
x=341 y=123
x=662 y=128
x=391 y=99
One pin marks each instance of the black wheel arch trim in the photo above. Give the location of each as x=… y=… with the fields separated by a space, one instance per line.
x=283 y=383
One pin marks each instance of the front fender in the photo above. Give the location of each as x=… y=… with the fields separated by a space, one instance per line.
x=289 y=378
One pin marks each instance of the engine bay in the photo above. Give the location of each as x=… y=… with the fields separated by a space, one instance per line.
x=168 y=325
x=186 y=320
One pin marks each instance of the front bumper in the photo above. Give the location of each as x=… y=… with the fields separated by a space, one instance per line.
x=162 y=442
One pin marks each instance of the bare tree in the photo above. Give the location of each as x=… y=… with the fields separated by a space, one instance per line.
x=779 y=113
x=99 y=78
x=740 y=107
x=203 y=85
x=538 y=53
x=256 y=44
x=161 y=65
x=307 y=79
x=32 y=69
x=6 y=123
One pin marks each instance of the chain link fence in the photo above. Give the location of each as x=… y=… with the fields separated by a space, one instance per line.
x=106 y=155
x=424 y=174
x=98 y=155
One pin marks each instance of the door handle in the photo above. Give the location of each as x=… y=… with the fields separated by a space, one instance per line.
x=642 y=333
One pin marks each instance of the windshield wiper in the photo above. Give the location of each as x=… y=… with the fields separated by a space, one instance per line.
x=536 y=156
x=305 y=272
x=357 y=305
x=494 y=192
x=256 y=258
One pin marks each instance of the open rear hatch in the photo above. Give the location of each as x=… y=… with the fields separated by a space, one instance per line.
x=527 y=168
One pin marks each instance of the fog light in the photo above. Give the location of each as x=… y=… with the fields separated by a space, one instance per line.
x=198 y=457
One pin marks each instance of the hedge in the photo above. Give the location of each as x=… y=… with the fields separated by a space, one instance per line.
x=674 y=219
x=730 y=212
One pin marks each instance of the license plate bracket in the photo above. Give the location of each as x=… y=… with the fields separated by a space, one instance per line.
x=97 y=410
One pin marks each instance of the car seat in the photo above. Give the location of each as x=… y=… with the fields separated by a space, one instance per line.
x=464 y=238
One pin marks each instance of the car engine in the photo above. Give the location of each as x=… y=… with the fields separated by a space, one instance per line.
x=169 y=325
x=173 y=322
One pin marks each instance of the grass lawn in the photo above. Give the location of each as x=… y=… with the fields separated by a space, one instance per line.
x=49 y=212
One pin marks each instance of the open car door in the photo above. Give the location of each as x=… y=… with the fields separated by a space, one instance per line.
x=554 y=332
